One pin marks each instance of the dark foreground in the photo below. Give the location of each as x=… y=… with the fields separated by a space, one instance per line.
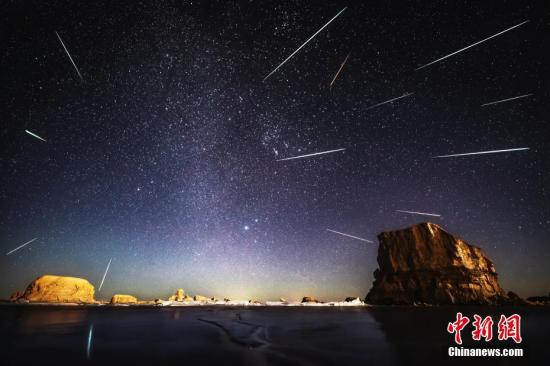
x=40 y=335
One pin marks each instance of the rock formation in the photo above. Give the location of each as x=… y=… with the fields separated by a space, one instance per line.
x=516 y=300
x=310 y=299
x=539 y=299
x=426 y=264
x=123 y=299
x=178 y=296
x=16 y=296
x=59 y=289
x=201 y=298
x=352 y=299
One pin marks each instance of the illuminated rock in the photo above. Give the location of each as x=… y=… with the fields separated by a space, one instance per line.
x=179 y=296
x=123 y=299
x=425 y=264
x=59 y=289
x=310 y=299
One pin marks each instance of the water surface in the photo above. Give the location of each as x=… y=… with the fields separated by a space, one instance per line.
x=52 y=335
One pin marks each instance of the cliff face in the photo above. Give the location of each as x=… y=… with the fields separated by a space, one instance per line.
x=426 y=264
x=59 y=289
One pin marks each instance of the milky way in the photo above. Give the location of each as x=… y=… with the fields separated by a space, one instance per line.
x=165 y=158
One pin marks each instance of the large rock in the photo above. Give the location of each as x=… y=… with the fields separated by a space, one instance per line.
x=123 y=299
x=426 y=264
x=59 y=289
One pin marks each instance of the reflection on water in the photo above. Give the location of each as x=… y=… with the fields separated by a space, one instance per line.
x=51 y=318
x=89 y=344
x=255 y=336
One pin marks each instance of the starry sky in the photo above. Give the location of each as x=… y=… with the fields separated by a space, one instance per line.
x=164 y=155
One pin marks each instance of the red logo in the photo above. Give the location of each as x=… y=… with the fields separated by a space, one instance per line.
x=483 y=328
x=508 y=328
x=457 y=327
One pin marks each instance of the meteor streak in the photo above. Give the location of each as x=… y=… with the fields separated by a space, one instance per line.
x=105 y=274
x=89 y=343
x=340 y=69
x=314 y=154
x=506 y=100
x=68 y=54
x=481 y=152
x=419 y=213
x=389 y=101
x=472 y=45
x=350 y=236
x=21 y=246
x=303 y=44
x=35 y=135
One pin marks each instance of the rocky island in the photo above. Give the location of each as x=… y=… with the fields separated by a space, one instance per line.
x=424 y=264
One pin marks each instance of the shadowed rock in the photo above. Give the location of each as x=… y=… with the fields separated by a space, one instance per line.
x=426 y=264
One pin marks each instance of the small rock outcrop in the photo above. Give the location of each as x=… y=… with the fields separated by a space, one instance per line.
x=59 y=289
x=178 y=296
x=123 y=299
x=310 y=299
x=424 y=264
x=515 y=299
x=539 y=299
x=16 y=296
x=352 y=299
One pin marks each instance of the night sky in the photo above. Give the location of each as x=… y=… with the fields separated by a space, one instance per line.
x=164 y=156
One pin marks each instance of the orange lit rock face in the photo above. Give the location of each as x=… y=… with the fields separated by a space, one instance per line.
x=425 y=264
x=123 y=299
x=59 y=289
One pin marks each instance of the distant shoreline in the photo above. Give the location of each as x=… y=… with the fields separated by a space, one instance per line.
x=229 y=306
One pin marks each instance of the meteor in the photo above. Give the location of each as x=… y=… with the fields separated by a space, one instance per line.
x=472 y=45
x=350 y=236
x=481 y=152
x=314 y=154
x=21 y=246
x=89 y=343
x=70 y=58
x=105 y=274
x=388 y=101
x=340 y=69
x=419 y=213
x=303 y=44
x=35 y=135
x=506 y=100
